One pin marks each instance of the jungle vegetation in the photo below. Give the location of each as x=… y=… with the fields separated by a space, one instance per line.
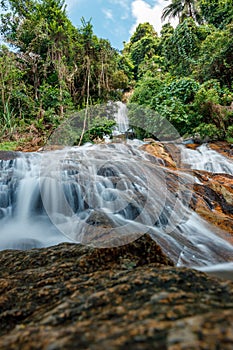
x=49 y=69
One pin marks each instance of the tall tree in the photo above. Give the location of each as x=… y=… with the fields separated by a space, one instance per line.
x=144 y=44
x=182 y=9
x=44 y=36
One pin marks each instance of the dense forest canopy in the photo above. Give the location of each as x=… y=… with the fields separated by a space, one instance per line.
x=49 y=68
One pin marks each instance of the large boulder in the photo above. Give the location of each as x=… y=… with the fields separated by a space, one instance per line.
x=77 y=297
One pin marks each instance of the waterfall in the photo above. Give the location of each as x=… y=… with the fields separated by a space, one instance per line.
x=204 y=158
x=108 y=195
x=24 y=224
x=121 y=119
x=103 y=195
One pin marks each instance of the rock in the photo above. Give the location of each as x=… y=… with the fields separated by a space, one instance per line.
x=188 y=141
x=159 y=151
x=212 y=195
x=75 y=297
x=213 y=200
x=8 y=155
x=192 y=145
x=223 y=147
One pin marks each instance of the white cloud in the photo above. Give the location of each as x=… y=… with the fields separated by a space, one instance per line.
x=143 y=12
x=108 y=13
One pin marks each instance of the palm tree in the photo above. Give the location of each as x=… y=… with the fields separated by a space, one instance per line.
x=181 y=9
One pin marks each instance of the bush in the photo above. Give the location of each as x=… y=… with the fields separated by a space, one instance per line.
x=208 y=132
x=229 y=133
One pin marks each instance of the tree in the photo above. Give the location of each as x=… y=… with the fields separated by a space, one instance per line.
x=44 y=36
x=181 y=49
x=182 y=9
x=14 y=101
x=216 y=57
x=217 y=12
x=144 y=44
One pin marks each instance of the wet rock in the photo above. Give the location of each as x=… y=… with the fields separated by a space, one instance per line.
x=159 y=151
x=76 y=297
x=223 y=147
x=212 y=195
x=213 y=200
x=8 y=155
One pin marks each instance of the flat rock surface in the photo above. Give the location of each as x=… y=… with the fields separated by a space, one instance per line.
x=130 y=297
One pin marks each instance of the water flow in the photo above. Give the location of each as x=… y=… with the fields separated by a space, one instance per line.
x=121 y=119
x=204 y=158
x=104 y=195
x=108 y=195
x=24 y=224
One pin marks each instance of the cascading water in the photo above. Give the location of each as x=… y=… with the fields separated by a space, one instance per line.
x=104 y=195
x=24 y=224
x=204 y=158
x=121 y=118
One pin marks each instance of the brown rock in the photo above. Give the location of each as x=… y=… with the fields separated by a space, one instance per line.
x=75 y=297
x=159 y=151
x=213 y=200
x=223 y=147
x=192 y=145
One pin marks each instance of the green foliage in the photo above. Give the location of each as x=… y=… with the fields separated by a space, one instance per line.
x=146 y=122
x=208 y=132
x=188 y=79
x=184 y=89
x=125 y=64
x=171 y=98
x=142 y=31
x=209 y=101
x=143 y=45
x=182 y=9
x=120 y=80
x=98 y=128
x=229 y=134
x=181 y=49
x=217 y=12
x=216 y=57
x=57 y=67
x=184 y=76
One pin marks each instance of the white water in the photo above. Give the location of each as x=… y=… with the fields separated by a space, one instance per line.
x=115 y=182
x=204 y=158
x=121 y=119
x=24 y=225
x=104 y=195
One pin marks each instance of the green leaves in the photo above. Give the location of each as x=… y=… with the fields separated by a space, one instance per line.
x=216 y=57
x=217 y=12
x=182 y=9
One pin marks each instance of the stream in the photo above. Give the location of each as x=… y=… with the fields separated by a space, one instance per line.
x=107 y=195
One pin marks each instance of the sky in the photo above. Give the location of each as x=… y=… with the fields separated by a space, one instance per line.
x=116 y=20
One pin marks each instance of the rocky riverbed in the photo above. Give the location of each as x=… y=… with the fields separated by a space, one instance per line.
x=75 y=297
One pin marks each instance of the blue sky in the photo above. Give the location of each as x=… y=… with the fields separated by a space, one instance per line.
x=116 y=20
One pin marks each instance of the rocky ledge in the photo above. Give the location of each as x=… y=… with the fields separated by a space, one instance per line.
x=212 y=194
x=131 y=297
x=8 y=155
